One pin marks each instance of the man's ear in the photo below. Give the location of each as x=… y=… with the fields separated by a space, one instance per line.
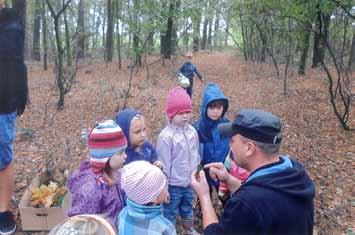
x=251 y=148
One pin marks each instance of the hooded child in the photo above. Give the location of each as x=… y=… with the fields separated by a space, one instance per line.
x=132 y=123
x=213 y=146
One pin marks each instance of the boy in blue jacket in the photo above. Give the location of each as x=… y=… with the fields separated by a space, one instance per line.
x=213 y=147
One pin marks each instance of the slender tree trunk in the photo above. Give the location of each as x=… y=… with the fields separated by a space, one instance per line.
x=20 y=7
x=109 y=32
x=322 y=25
x=304 y=52
x=169 y=32
x=227 y=30
x=81 y=29
x=244 y=36
x=196 y=27
x=204 y=30
x=209 y=38
x=36 y=54
x=118 y=38
x=216 y=28
x=163 y=33
x=44 y=36
x=186 y=35
x=136 y=33
x=104 y=10
x=351 y=63
x=67 y=38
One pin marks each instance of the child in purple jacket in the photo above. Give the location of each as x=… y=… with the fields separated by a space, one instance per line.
x=177 y=148
x=95 y=186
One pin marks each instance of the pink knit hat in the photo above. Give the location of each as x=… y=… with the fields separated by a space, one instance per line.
x=142 y=181
x=177 y=101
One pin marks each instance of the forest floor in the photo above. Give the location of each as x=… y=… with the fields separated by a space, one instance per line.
x=311 y=132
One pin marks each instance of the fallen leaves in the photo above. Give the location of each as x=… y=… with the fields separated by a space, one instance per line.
x=47 y=196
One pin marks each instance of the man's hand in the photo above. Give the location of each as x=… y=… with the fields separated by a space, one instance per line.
x=217 y=171
x=199 y=184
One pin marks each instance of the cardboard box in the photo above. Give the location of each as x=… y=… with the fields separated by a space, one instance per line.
x=39 y=219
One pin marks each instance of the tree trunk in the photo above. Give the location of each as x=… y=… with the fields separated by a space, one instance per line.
x=227 y=30
x=204 y=31
x=36 y=54
x=118 y=38
x=136 y=33
x=186 y=34
x=196 y=29
x=304 y=53
x=44 y=36
x=163 y=33
x=216 y=28
x=320 y=36
x=20 y=7
x=167 y=44
x=67 y=38
x=209 y=38
x=81 y=30
x=173 y=43
x=351 y=63
x=109 y=32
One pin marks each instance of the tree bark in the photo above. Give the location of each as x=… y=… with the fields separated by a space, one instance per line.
x=322 y=25
x=351 y=63
x=20 y=7
x=304 y=52
x=67 y=38
x=36 y=54
x=109 y=32
x=204 y=29
x=44 y=36
x=81 y=30
x=196 y=29
x=216 y=29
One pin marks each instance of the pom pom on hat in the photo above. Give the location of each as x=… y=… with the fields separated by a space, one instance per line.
x=177 y=101
x=105 y=140
x=142 y=181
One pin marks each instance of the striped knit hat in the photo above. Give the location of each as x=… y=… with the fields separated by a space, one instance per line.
x=142 y=181
x=106 y=139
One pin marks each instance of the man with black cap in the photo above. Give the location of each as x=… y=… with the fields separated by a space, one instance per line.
x=277 y=197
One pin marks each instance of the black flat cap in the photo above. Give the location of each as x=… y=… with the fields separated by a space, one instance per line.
x=254 y=124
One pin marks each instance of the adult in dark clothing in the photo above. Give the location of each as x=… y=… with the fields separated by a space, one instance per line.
x=188 y=69
x=13 y=97
x=277 y=197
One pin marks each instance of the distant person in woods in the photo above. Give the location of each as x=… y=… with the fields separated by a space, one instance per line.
x=138 y=148
x=95 y=186
x=13 y=98
x=188 y=69
x=276 y=198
